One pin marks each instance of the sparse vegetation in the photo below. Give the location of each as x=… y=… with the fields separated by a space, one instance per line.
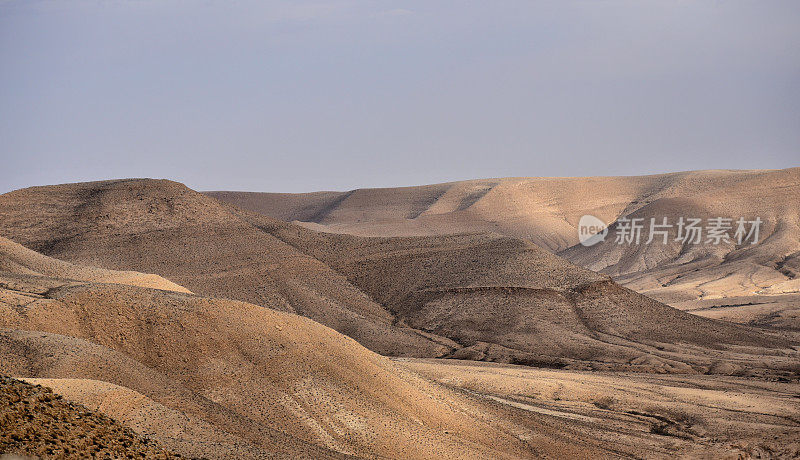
x=37 y=422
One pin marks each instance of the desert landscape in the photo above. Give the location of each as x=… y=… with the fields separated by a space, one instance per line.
x=399 y=230
x=755 y=284
x=460 y=320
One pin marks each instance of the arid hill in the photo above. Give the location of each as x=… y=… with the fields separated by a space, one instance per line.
x=507 y=300
x=164 y=227
x=221 y=378
x=749 y=284
x=37 y=422
x=479 y=296
x=744 y=282
x=15 y=258
x=218 y=378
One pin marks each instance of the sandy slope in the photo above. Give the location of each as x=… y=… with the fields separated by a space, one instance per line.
x=174 y=429
x=483 y=297
x=212 y=375
x=546 y=211
x=16 y=258
x=694 y=277
x=248 y=378
x=507 y=300
x=670 y=416
x=37 y=422
x=221 y=378
x=164 y=227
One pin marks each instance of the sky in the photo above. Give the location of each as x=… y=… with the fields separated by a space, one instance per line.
x=295 y=96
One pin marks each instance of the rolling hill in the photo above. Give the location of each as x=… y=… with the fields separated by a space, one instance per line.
x=477 y=296
x=164 y=227
x=219 y=377
x=213 y=377
x=755 y=284
x=38 y=422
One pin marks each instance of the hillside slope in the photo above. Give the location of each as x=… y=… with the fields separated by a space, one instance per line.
x=757 y=285
x=479 y=296
x=215 y=378
x=227 y=376
x=506 y=300
x=164 y=227
x=750 y=283
x=15 y=258
x=174 y=429
x=36 y=421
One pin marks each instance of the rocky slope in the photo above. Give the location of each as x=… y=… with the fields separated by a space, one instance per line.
x=216 y=377
x=37 y=422
x=478 y=296
x=755 y=284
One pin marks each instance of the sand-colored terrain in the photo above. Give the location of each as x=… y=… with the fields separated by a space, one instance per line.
x=34 y=421
x=220 y=377
x=174 y=429
x=15 y=258
x=477 y=296
x=197 y=242
x=685 y=416
x=507 y=300
x=546 y=211
x=277 y=350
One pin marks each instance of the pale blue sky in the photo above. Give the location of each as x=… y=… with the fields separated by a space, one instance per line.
x=301 y=96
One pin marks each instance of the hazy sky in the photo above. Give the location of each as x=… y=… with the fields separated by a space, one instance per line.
x=301 y=95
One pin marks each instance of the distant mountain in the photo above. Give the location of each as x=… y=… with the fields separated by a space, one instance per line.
x=166 y=228
x=477 y=296
x=755 y=284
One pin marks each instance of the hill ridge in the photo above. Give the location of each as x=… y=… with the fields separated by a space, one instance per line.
x=546 y=211
x=373 y=289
